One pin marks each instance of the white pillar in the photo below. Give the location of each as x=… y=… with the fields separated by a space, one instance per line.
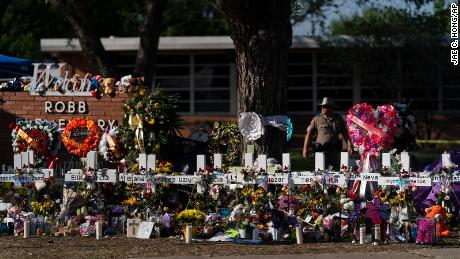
x=386 y=160
x=262 y=162
x=217 y=160
x=17 y=161
x=91 y=160
x=151 y=162
x=319 y=161
x=248 y=160
x=287 y=161
x=344 y=159
x=405 y=161
x=142 y=161
x=200 y=162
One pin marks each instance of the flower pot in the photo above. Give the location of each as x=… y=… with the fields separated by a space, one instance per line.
x=243 y=233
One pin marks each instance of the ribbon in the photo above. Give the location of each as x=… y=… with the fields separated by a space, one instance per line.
x=371 y=130
x=136 y=124
x=51 y=159
x=29 y=140
x=113 y=146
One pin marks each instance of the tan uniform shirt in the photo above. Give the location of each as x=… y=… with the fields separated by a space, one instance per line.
x=328 y=128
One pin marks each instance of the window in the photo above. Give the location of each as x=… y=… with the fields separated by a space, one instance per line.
x=299 y=82
x=201 y=80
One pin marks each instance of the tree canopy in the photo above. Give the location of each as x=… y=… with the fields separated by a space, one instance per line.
x=24 y=22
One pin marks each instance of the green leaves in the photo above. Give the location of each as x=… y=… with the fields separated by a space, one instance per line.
x=160 y=125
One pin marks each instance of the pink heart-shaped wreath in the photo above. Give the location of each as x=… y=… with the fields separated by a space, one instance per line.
x=370 y=130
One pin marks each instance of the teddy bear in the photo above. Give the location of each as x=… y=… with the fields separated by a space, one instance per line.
x=440 y=214
x=347 y=203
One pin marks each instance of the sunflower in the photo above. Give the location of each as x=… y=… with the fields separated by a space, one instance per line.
x=383 y=196
x=245 y=192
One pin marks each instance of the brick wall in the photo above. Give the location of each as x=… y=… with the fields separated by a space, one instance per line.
x=22 y=105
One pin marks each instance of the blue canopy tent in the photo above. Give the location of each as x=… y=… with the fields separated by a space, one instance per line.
x=11 y=67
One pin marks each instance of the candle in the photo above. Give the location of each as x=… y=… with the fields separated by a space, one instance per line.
x=362 y=234
x=299 y=234
x=376 y=234
x=255 y=234
x=188 y=234
x=98 y=230
x=26 y=229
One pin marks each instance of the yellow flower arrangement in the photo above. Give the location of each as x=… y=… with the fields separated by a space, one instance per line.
x=131 y=201
x=44 y=208
x=194 y=217
x=401 y=197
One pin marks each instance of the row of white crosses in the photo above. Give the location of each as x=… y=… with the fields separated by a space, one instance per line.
x=23 y=163
x=147 y=162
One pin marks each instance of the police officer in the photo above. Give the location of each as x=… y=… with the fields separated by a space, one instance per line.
x=330 y=130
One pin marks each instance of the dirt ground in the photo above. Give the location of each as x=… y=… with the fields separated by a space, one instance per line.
x=122 y=247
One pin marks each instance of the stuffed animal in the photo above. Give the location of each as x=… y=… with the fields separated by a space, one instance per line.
x=237 y=212
x=109 y=86
x=438 y=212
x=347 y=203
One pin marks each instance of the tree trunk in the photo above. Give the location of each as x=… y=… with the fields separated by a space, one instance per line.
x=79 y=16
x=146 y=58
x=262 y=34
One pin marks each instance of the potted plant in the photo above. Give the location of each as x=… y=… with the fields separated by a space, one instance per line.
x=244 y=227
x=191 y=217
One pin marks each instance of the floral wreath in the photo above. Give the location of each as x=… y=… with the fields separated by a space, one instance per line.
x=372 y=131
x=225 y=132
x=44 y=137
x=91 y=141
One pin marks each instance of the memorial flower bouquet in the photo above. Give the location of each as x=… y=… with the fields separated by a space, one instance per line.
x=80 y=136
x=151 y=125
x=45 y=208
x=372 y=131
x=44 y=137
x=225 y=138
x=191 y=216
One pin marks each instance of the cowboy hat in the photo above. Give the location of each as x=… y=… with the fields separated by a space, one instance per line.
x=327 y=101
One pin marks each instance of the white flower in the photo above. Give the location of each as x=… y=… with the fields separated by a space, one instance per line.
x=39 y=185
